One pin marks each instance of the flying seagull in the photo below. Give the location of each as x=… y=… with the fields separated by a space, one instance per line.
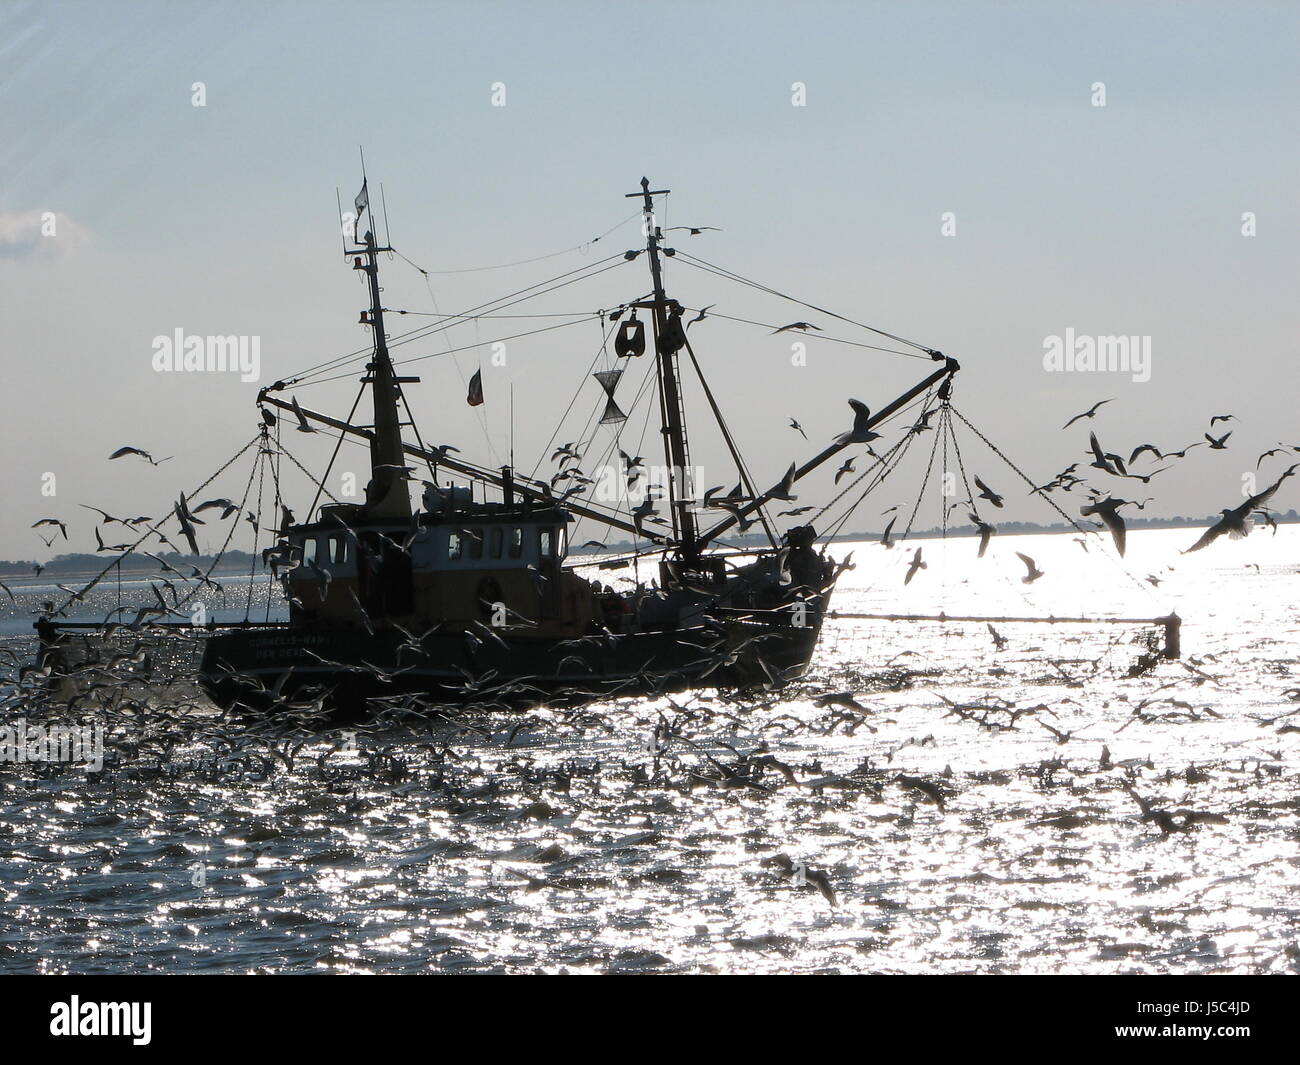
x=1141 y=448
x=303 y=426
x=1219 y=444
x=1234 y=521
x=795 y=425
x=803 y=326
x=1103 y=460
x=861 y=432
x=53 y=521
x=1108 y=510
x=1090 y=413
x=914 y=565
x=701 y=316
x=844 y=470
x=783 y=490
x=987 y=493
x=1034 y=572
x=123 y=451
x=695 y=231
x=985 y=530
x=186 y=520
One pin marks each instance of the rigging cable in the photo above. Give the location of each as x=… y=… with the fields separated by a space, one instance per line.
x=741 y=279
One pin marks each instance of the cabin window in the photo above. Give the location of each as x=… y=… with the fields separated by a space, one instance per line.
x=475 y=542
x=516 y=542
x=495 y=539
x=454 y=545
x=309 y=550
x=545 y=542
x=338 y=549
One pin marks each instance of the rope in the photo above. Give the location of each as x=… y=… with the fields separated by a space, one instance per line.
x=1052 y=503
x=741 y=279
x=153 y=528
x=522 y=262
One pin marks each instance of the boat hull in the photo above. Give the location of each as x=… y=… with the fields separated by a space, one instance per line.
x=338 y=669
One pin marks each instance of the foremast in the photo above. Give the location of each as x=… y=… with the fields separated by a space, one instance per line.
x=666 y=331
x=387 y=496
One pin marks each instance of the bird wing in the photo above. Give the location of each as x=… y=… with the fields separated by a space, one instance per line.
x=1209 y=536
x=861 y=414
x=1267 y=494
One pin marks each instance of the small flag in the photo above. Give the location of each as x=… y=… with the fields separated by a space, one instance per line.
x=363 y=199
x=475 y=397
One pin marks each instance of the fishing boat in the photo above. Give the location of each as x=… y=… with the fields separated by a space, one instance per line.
x=470 y=593
x=469 y=598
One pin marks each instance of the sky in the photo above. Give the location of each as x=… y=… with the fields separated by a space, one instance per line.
x=1123 y=219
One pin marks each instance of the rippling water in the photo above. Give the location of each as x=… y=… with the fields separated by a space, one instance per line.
x=767 y=834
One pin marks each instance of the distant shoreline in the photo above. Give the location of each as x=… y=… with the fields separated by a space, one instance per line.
x=239 y=563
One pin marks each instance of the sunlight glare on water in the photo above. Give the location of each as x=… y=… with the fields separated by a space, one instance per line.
x=572 y=843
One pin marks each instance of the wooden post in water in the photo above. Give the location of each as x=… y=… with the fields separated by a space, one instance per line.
x=1173 y=635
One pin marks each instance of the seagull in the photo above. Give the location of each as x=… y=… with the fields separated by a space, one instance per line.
x=52 y=521
x=1220 y=444
x=122 y=451
x=1181 y=454
x=987 y=493
x=303 y=426
x=999 y=641
x=1145 y=478
x=1101 y=459
x=795 y=425
x=985 y=530
x=782 y=490
x=1108 y=510
x=186 y=520
x=695 y=231
x=885 y=541
x=861 y=432
x=1034 y=572
x=923 y=422
x=1144 y=447
x=701 y=316
x=644 y=509
x=1233 y=521
x=803 y=326
x=108 y=547
x=914 y=565
x=226 y=506
x=1091 y=413
x=847 y=468
x=1222 y=418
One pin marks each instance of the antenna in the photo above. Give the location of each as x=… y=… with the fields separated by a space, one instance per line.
x=343 y=239
x=512 y=424
x=388 y=237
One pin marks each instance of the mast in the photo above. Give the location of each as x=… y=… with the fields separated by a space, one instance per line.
x=674 y=426
x=386 y=494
